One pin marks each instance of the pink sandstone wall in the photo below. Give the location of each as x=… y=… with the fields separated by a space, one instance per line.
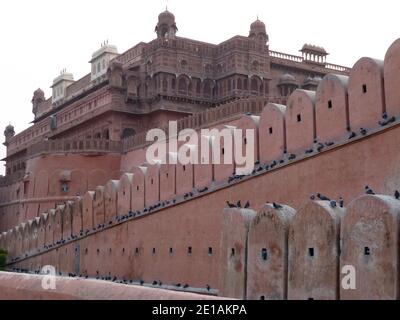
x=370 y=237
x=331 y=109
x=339 y=170
x=392 y=78
x=366 y=94
x=267 y=262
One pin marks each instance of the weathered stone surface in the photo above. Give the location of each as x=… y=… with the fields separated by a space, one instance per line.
x=267 y=261
x=314 y=252
x=370 y=243
x=233 y=248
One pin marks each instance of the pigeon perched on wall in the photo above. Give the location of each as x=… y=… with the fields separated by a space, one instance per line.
x=397 y=194
x=230 y=205
x=277 y=206
x=369 y=191
x=352 y=135
x=322 y=197
x=363 y=131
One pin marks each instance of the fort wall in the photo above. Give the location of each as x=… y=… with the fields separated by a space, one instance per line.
x=180 y=238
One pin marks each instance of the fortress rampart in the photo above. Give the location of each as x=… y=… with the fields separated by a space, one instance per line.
x=169 y=222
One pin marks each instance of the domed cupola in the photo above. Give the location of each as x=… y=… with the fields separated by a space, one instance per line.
x=166 y=26
x=37 y=100
x=258 y=31
x=9 y=132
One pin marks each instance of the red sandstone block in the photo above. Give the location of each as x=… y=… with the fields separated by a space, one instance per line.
x=98 y=206
x=33 y=235
x=250 y=128
x=42 y=231
x=233 y=252
x=152 y=184
x=87 y=212
x=125 y=194
x=25 y=239
x=168 y=179
x=331 y=108
x=267 y=254
x=272 y=133
x=122 y=252
x=96 y=178
x=13 y=237
x=138 y=188
x=300 y=121
x=50 y=228
x=184 y=178
x=314 y=252
x=111 y=200
x=370 y=233
x=392 y=79
x=203 y=172
x=366 y=94
x=67 y=221
x=226 y=168
x=58 y=220
x=77 y=215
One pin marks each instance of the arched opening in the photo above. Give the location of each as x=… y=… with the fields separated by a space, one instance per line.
x=182 y=86
x=128 y=132
x=239 y=84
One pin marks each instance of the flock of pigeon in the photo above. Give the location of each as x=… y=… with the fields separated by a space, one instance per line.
x=109 y=278
x=313 y=197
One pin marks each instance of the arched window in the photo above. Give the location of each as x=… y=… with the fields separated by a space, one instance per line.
x=207 y=88
x=198 y=87
x=254 y=85
x=182 y=86
x=165 y=85
x=239 y=84
x=245 y=84
x=106 y=134
x=173 y=84
x=98 y=66
x=128 y=132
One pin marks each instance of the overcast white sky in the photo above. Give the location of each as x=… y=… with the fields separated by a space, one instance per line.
x=41 y=37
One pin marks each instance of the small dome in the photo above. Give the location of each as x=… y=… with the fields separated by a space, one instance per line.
x=38 y=92
x=9 y=128
x=287 y=79
x=257 y=27
x=166 y=17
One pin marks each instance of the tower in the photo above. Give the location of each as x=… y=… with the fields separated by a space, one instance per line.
x=166 y=26
x=60 y=85
x=101 y=60
x=37 y=100
x=9 y=132
x=258 y=32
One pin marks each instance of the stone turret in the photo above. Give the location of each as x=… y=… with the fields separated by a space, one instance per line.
x=60 y=85
x=37 y=100
x=101 y=61
x=258 y=31
x=166 y=26
x=9 y=132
